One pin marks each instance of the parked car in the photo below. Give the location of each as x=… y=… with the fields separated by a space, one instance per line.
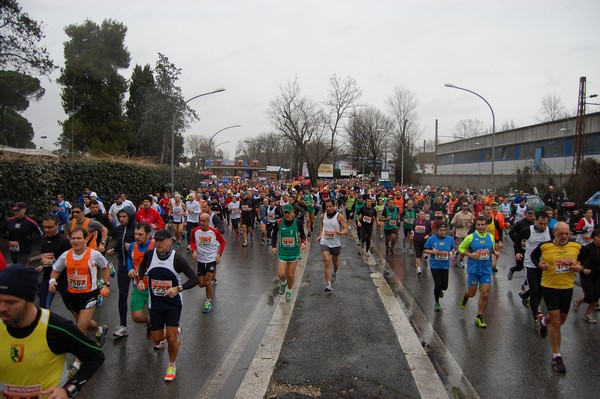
x=534 y=201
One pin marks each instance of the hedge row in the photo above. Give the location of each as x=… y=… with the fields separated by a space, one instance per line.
x=37 y=181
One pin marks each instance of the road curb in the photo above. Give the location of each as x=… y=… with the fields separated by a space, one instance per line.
x=258 y=376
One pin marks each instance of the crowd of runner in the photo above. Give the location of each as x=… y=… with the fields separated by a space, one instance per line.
x=438 y=226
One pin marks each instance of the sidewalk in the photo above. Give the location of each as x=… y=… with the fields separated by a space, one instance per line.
x=354 y=342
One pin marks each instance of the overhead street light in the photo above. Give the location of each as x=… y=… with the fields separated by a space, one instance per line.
x=210 y=141
x=173 y=132
x=452 y=86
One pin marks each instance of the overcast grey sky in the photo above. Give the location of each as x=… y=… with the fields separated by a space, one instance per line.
x=511 y=52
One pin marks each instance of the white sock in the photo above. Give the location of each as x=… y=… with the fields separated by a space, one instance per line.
x=99 y=332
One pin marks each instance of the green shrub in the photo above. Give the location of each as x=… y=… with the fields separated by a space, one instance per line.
x=36 y=181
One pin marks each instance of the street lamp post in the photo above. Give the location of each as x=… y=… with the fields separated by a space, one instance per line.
x=44 y=138
x=401 y=156
x=210 y=141
x=493 y=126
x=173 y=132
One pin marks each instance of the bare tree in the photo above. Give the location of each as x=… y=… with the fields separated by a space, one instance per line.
x=312 y=127
x=368 y=137
x=403 y=104
x=552 y=109
x=267 y=148
x=466 y=128
x=508 y=125
x=196 y=146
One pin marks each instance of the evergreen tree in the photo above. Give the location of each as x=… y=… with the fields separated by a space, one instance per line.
x=93 y=92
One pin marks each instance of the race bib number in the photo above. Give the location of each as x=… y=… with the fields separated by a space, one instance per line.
x=427 y=216
x=438 y=214
x=245 y=208
x=366 y=219
x=329 y=234
x=236 y=210
x=483 y=254
x=16 y=392
x=78 y=282
x=160 y=287
x=271 y=218
x=409 y=220
x=288 y=242
x=420 y=229
x=204 y=240
x=14 y=246
x=177 y=211
x=562 y=265
x=442 y=256
x=587 y=238
x=392 y=222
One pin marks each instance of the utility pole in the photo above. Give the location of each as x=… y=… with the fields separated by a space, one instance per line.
x=579 y=128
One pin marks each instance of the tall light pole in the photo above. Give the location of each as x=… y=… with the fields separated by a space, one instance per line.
x=493 y=126
x=210 y=141
x=44 y=138
x=401 y=156
x=173 y=132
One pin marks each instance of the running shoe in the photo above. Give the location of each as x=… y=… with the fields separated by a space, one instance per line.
x=100 y=339
x=178 y=244
x=479 y=322
x=72 y=371
x=333 y=276
x=411 y=252
x=160 y=345
x=282 y=286
x=328 y=287
x=495 y=270
x=558 y=365
x=171 y=372
x=542 y=330
x=207 y=306
x=288 y=295
x=214 y=282
x=121 y=332
x=189 y=249
x=589 y=318
x=510 y=274
x=245 y=244
x=387 y=250
x=309 y=234
x=437 y=307
x=576 y=306
x=419 y=271
x=368 y=254
x=463 y=302
x=148 y=331
x=524 y=298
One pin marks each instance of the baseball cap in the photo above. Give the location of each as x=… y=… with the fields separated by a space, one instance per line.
x=54 y=203
x=529 y=210
x=494 y=203
x=162 y=235
x=18 y=206
x=288 y=208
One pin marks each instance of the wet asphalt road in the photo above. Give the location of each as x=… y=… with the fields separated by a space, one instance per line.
x=507 y=359
x=215 y=348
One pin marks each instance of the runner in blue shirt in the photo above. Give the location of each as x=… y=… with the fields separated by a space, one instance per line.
x=441 y=248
